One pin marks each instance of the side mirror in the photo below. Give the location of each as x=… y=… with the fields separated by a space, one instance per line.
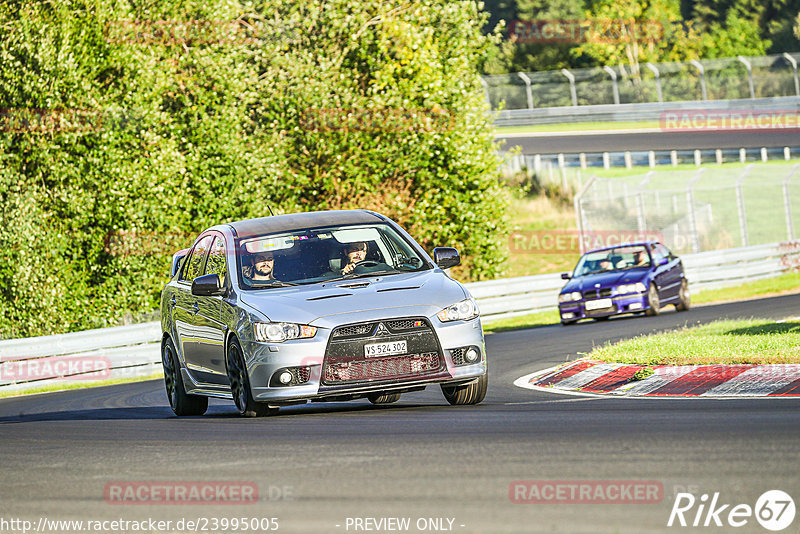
x=446 y=257
x=177 y=261
x=663 y=261
x=566 y=276
x=208 y=285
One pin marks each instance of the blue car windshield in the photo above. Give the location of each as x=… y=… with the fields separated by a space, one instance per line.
x=615 y=259
x=325 y=254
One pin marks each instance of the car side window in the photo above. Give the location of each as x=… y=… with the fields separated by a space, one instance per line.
x=216 y=259
x=660 y=251
x=194 y=267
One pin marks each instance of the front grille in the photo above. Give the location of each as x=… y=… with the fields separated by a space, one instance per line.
x=353 y=331
x=346 y=362
x=406 y=324
x=597 y=293
x=382 y=368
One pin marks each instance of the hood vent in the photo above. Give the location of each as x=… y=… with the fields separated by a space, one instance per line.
x=322 y=297
x=397 y=288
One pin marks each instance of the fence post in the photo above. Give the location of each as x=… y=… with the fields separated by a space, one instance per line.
x=641 y=221
x=749 y=68
x=702 y=71
x=614 y=85
x=486 y=91
x=657 y=74
x=787 y=203
x=573 y=93
x=692 y=218
x=578 y=202
x=740 y=205
x=528 y=92
x=793 y=62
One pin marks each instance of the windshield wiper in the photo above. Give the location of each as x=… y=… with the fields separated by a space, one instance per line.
x=363 y=275
x=274 y=283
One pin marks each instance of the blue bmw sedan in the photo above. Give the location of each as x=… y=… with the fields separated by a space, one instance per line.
x=631 y=278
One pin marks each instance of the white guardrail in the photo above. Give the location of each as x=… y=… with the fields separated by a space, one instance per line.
x=134 y=351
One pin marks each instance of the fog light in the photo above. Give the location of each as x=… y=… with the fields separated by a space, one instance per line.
x=567 y=315
x=285 y=377
x=471 y=355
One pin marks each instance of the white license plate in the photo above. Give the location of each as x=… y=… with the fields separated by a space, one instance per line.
x=385 y=349
x=598 y=304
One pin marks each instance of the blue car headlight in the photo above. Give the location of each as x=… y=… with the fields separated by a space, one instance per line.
x=569 y=297
x=278 y=332
x=461 y=311
x=624 y=289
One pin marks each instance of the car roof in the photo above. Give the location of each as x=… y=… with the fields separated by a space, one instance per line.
x=619 y=245
x=301 y=221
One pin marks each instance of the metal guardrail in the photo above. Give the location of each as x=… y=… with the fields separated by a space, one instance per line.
x=649 y=111
x=131 y=351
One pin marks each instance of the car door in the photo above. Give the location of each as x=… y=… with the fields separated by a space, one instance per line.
x=186 y=306
x=668 y=276
x=208 y=358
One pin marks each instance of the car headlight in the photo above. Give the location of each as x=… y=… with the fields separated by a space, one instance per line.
x=277 y=332
x=638 y=287
x=461 y=311
x=569 y=297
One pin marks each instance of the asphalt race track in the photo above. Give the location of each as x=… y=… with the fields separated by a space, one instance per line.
x=318 y=465
x=615 y=142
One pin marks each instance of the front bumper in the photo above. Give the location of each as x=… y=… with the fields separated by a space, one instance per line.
x=620 y=304
x=336 y=367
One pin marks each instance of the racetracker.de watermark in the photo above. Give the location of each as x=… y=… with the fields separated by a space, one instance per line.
x=66 y=367
x=574 y=31
x=379 y=120
x=569 y=241
x=585 y=492
x=704 y=120
x=175 y=492
x=50 y=120
x=195 y=32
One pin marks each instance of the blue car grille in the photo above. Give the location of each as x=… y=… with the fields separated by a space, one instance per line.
x=597 y=293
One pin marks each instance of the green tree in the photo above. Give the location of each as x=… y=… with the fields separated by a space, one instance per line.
x=121 y=140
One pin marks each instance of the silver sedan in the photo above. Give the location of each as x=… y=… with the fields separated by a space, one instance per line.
x=321 y=306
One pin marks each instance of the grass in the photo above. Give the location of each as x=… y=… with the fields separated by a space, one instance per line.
x=78 y=385
x=523 y=321
x=577 y=127
x=783 y=284
x=751 y=341
x=532 y=219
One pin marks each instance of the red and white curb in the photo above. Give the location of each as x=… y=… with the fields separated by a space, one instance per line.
x=590 y=377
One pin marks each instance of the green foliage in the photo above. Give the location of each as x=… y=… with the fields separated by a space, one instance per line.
x=146 y=133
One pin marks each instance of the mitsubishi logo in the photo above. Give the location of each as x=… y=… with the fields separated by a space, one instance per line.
x=382 y=330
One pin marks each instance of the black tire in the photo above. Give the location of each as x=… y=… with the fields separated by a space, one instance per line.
x=653 y=301
x=684 y=297
x=181 y=402
x=471 y=393
x=382 y=397
x=240 y=385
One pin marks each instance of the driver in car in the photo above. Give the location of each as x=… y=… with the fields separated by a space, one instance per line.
x=262 y=269
x=356 y=252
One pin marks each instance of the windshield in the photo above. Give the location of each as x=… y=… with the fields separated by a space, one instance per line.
x=324 y=254
x=616 y=259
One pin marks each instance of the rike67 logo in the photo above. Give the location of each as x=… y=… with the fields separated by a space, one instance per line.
x=774 y=510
